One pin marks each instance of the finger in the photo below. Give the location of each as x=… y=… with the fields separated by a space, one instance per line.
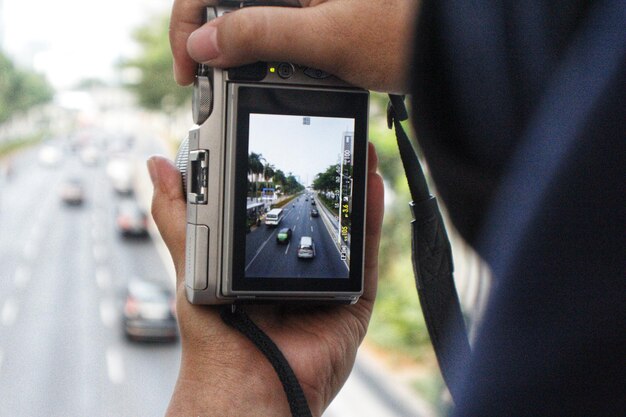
x=187 y=16
x=254 y=34
x=169 y=208
x=373 y=231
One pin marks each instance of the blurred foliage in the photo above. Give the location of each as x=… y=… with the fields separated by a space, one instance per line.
x=20 y=89
x=155 y=86
x=397 y=322
x=9 y=147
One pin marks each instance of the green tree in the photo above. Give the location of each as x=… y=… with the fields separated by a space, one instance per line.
x=20 y=89
x=156 y=87
x=327 y=180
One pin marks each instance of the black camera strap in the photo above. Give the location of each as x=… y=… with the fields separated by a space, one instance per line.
x=235 y=317
x=432 y=259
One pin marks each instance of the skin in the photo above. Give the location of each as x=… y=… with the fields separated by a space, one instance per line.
x=362 y=42
x=221 y=372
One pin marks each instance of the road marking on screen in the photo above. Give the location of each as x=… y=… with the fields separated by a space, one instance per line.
x=9 y=312
x=286 y=250
x=115 y=365
x=259 y=251
x=311 y=228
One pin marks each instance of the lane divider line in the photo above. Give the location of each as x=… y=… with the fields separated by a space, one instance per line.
x=115 y=365
x=9 y=312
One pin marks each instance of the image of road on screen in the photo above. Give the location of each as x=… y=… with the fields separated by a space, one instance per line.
x=299 y=197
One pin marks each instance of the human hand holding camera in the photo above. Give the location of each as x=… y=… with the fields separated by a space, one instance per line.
x=365 y=43
x=222 y=373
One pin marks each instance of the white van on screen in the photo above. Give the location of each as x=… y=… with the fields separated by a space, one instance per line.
x=273 y=217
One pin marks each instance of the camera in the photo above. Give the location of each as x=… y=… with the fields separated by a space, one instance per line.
x=274 y=172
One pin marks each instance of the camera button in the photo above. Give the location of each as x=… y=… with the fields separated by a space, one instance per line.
x=315 y=73
x=285 y=70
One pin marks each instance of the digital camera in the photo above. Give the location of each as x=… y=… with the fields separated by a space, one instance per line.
x=274 y=173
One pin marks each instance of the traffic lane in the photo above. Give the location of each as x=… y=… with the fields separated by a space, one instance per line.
x=113 y=358
x=143 y=374
x=275 y=260
x=51 y=364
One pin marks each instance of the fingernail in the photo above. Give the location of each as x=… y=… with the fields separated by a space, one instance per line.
x=202 y=44
x=152 y=170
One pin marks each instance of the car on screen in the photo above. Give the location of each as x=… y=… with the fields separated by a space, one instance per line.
x=314 y=213
x=131 y=220
x=283 y=235
x=306 y=248
x=72 y=192
x=149 y=312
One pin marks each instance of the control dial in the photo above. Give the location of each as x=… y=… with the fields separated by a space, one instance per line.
x=182 y=160
x=202 y=99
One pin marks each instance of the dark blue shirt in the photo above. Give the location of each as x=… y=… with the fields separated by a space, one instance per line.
x=520 y=109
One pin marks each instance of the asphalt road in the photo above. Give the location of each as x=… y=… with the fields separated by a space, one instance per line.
x=265 y=257
x=62 y=275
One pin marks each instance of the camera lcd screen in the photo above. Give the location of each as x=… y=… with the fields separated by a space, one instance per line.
x=299 y=196
x=300 y=192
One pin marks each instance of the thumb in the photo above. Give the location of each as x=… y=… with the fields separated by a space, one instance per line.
x=269 y=34
x=169 y=208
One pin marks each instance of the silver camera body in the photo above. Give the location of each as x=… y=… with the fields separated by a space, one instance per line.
x=291 y=236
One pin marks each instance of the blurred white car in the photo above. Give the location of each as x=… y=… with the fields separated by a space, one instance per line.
x=120 y=172
x=72 y=192
x=50 y=156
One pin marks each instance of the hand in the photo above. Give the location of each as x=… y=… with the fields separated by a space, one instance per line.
x=222 y=373
x=365 y=43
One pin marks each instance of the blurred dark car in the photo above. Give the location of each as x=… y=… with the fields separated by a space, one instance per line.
x=131 y=220
x=283 y=235
x=149 y=312
x=314 y=213
x=312 y=202
x=72 y=192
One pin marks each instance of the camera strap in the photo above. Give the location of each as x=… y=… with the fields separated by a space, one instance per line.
x=432 y=259
x=235 y=317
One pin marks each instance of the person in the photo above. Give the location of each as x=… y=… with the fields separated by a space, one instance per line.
x=518 y=107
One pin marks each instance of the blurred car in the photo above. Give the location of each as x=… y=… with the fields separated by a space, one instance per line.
x=312 y=202
x=131 y=220
x=90 y=156
x=283 y=235
x=314 y=213
x=50 y=156
x=72 y=192
x=149 y=312
x=120 y=172
x=306 y=248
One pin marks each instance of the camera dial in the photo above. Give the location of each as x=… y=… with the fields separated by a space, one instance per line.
x=182 y=159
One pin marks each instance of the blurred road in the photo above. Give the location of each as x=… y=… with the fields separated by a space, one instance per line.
x=266 y=258
x=62 y=274
x=63 y=270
